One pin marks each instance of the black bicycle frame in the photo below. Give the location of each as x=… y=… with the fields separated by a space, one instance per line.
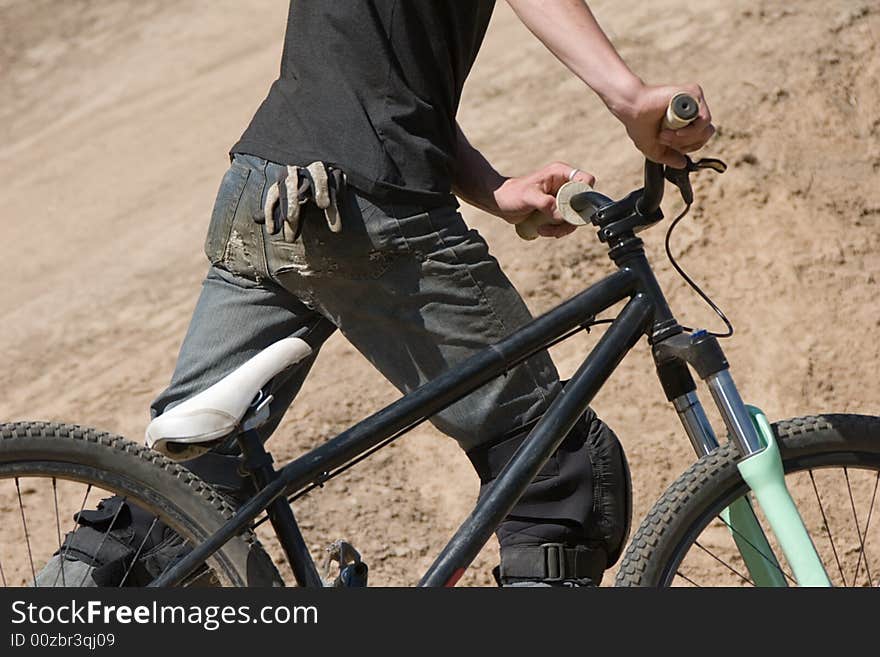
x=646 y=312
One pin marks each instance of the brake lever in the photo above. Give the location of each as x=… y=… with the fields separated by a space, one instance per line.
x=681 y=177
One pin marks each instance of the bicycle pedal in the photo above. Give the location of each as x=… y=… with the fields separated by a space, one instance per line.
x=352 y=570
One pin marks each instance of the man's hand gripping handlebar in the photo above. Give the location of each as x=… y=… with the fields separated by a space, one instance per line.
x=576 y=200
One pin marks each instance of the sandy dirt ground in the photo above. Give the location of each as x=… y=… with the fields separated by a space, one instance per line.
x=116 y=117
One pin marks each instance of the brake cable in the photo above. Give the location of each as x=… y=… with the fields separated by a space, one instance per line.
x=681 y=180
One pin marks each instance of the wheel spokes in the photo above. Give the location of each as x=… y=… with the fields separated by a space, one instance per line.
x=27 y=536
x=772 y=561
x=138 y=553
x=827 y=526
x=845 y=513
x=73 y=530
x=724 y=563
x=852 y=504
x=867 y=525
x=687 y=579
x=58 y=526
x=104 y=538
x=50 y=556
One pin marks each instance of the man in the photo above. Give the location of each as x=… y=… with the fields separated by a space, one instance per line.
x=367 y=95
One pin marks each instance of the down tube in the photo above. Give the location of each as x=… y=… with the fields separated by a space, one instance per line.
x=542 y=441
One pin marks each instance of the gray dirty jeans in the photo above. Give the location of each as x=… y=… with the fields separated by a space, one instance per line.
x=415 y=291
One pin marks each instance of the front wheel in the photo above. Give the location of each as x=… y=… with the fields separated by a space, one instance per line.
x=832 y=466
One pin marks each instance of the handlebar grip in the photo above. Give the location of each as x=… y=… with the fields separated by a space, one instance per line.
x=682 y=111
x=528 y=229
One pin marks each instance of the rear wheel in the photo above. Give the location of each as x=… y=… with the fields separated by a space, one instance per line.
x=51 y=472
x=832 y=465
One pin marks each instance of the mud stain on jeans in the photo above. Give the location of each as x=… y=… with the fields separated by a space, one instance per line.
x=237 y=258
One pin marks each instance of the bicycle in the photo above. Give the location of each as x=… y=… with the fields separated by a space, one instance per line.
x=710 y=504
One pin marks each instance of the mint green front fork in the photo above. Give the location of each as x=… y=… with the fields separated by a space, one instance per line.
x=763 y=473
x=760 y=465
x=752 y=544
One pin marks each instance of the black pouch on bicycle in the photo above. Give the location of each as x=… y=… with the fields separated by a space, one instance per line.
x=611 y=516
x=124 y=543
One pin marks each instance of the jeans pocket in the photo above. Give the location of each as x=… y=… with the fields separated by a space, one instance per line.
x=225 y=206
x=368 y=245
x=378 y=224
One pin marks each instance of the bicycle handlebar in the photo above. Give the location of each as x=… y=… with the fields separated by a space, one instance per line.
x=575 y=199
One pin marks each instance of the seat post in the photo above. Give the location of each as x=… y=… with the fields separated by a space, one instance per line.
x=258 y=463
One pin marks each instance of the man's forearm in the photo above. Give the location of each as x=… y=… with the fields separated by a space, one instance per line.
x=475 y=178
x=570 y=31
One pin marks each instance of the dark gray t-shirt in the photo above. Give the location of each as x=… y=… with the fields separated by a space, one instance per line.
x=372 y=86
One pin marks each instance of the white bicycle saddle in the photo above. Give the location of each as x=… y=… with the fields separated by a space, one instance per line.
x=217 y=411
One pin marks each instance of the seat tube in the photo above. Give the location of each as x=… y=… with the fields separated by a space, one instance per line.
x=258 y=462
